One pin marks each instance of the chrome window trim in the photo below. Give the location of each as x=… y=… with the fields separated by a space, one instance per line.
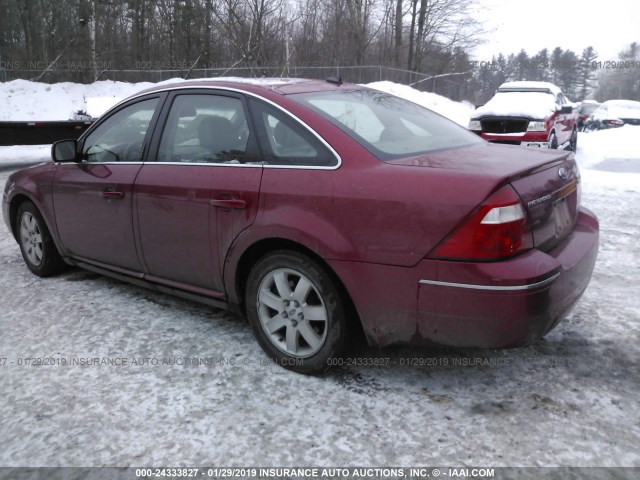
x=500 y=288
x=206 y=164
x=200 y=164
x=254 y=95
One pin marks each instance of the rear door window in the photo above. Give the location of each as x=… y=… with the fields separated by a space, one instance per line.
x=286 y=142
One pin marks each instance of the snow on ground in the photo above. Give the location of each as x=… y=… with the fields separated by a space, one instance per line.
x=20 y=155
x=570 y=399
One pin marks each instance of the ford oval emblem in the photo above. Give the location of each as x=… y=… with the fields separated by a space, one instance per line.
x=563 y=173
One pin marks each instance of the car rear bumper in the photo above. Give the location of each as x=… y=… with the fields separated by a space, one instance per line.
x=487 y=305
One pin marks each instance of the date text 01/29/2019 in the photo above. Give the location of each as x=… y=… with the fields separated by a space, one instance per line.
x=316 y=472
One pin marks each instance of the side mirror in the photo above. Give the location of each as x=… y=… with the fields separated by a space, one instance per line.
x=64 y=151
x=566 y=109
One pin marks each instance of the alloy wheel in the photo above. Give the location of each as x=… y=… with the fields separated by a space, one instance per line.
x=292 y=313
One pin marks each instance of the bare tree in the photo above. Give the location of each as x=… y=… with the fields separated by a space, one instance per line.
x=359 y=20
x=437 y=26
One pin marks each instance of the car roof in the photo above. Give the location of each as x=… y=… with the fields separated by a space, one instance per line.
x=283 y=86
x=622 y=103
x=527 y=86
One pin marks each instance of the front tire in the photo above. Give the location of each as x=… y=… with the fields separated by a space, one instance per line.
x=296 y=311
x=36 y=244
x=573 y=142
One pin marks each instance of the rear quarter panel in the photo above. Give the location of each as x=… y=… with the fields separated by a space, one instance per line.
x=365 y=211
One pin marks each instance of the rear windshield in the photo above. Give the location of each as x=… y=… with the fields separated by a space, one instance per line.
x=588 y=108
x=388 y=126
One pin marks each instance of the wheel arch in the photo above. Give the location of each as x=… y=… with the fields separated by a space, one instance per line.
x=263 y=247
x=14 y=205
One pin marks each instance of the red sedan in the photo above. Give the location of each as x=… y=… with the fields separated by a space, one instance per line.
x=312 y=207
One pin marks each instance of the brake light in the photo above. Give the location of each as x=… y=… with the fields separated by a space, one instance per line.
x=497 y=229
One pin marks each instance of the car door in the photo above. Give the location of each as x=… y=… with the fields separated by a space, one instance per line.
x=93 y=198
x=199 y=192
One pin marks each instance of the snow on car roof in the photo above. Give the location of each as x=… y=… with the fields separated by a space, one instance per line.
x=524 y=86
x=283 y=86
x=624 y=109
x=262 y=81
x=536 y=105
x=622 y=103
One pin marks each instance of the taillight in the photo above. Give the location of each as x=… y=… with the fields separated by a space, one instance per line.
x=496 y=230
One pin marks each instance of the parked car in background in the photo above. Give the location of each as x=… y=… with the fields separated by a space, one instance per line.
x=613 y=114
x=585 y=109
x=314 y=207
x=535 y=114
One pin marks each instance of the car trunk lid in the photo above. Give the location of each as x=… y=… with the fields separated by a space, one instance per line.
x=547 y=181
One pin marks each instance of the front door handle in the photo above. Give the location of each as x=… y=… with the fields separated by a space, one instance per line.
x=112 y=194
x=228 y=203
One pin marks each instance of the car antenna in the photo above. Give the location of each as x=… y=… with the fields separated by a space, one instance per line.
x=336 y=79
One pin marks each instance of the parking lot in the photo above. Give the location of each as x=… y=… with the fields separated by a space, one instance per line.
x=99 y=373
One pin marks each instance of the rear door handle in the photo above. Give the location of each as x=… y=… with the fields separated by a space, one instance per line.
x=228 y=203
x=112 y=194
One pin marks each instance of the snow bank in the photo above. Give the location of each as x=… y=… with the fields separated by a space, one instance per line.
x=459 y=112
x=615 y=149
x=610 y=158
x=26 y=100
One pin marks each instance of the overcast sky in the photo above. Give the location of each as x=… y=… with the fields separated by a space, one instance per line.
x=609 y=26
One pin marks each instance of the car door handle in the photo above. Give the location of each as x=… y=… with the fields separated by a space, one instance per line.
x=228 y=203
x=112 y=194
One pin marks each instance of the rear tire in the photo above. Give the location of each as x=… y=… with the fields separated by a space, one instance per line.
x=553 y=141
x=36 y=244
x=296 y=312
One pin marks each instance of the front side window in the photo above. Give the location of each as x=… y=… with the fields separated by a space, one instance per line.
x=205 y=128
x=388 y=126
x=120 y=138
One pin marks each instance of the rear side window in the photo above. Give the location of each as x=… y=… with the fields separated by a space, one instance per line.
x=286 y=142
x=388 y=126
